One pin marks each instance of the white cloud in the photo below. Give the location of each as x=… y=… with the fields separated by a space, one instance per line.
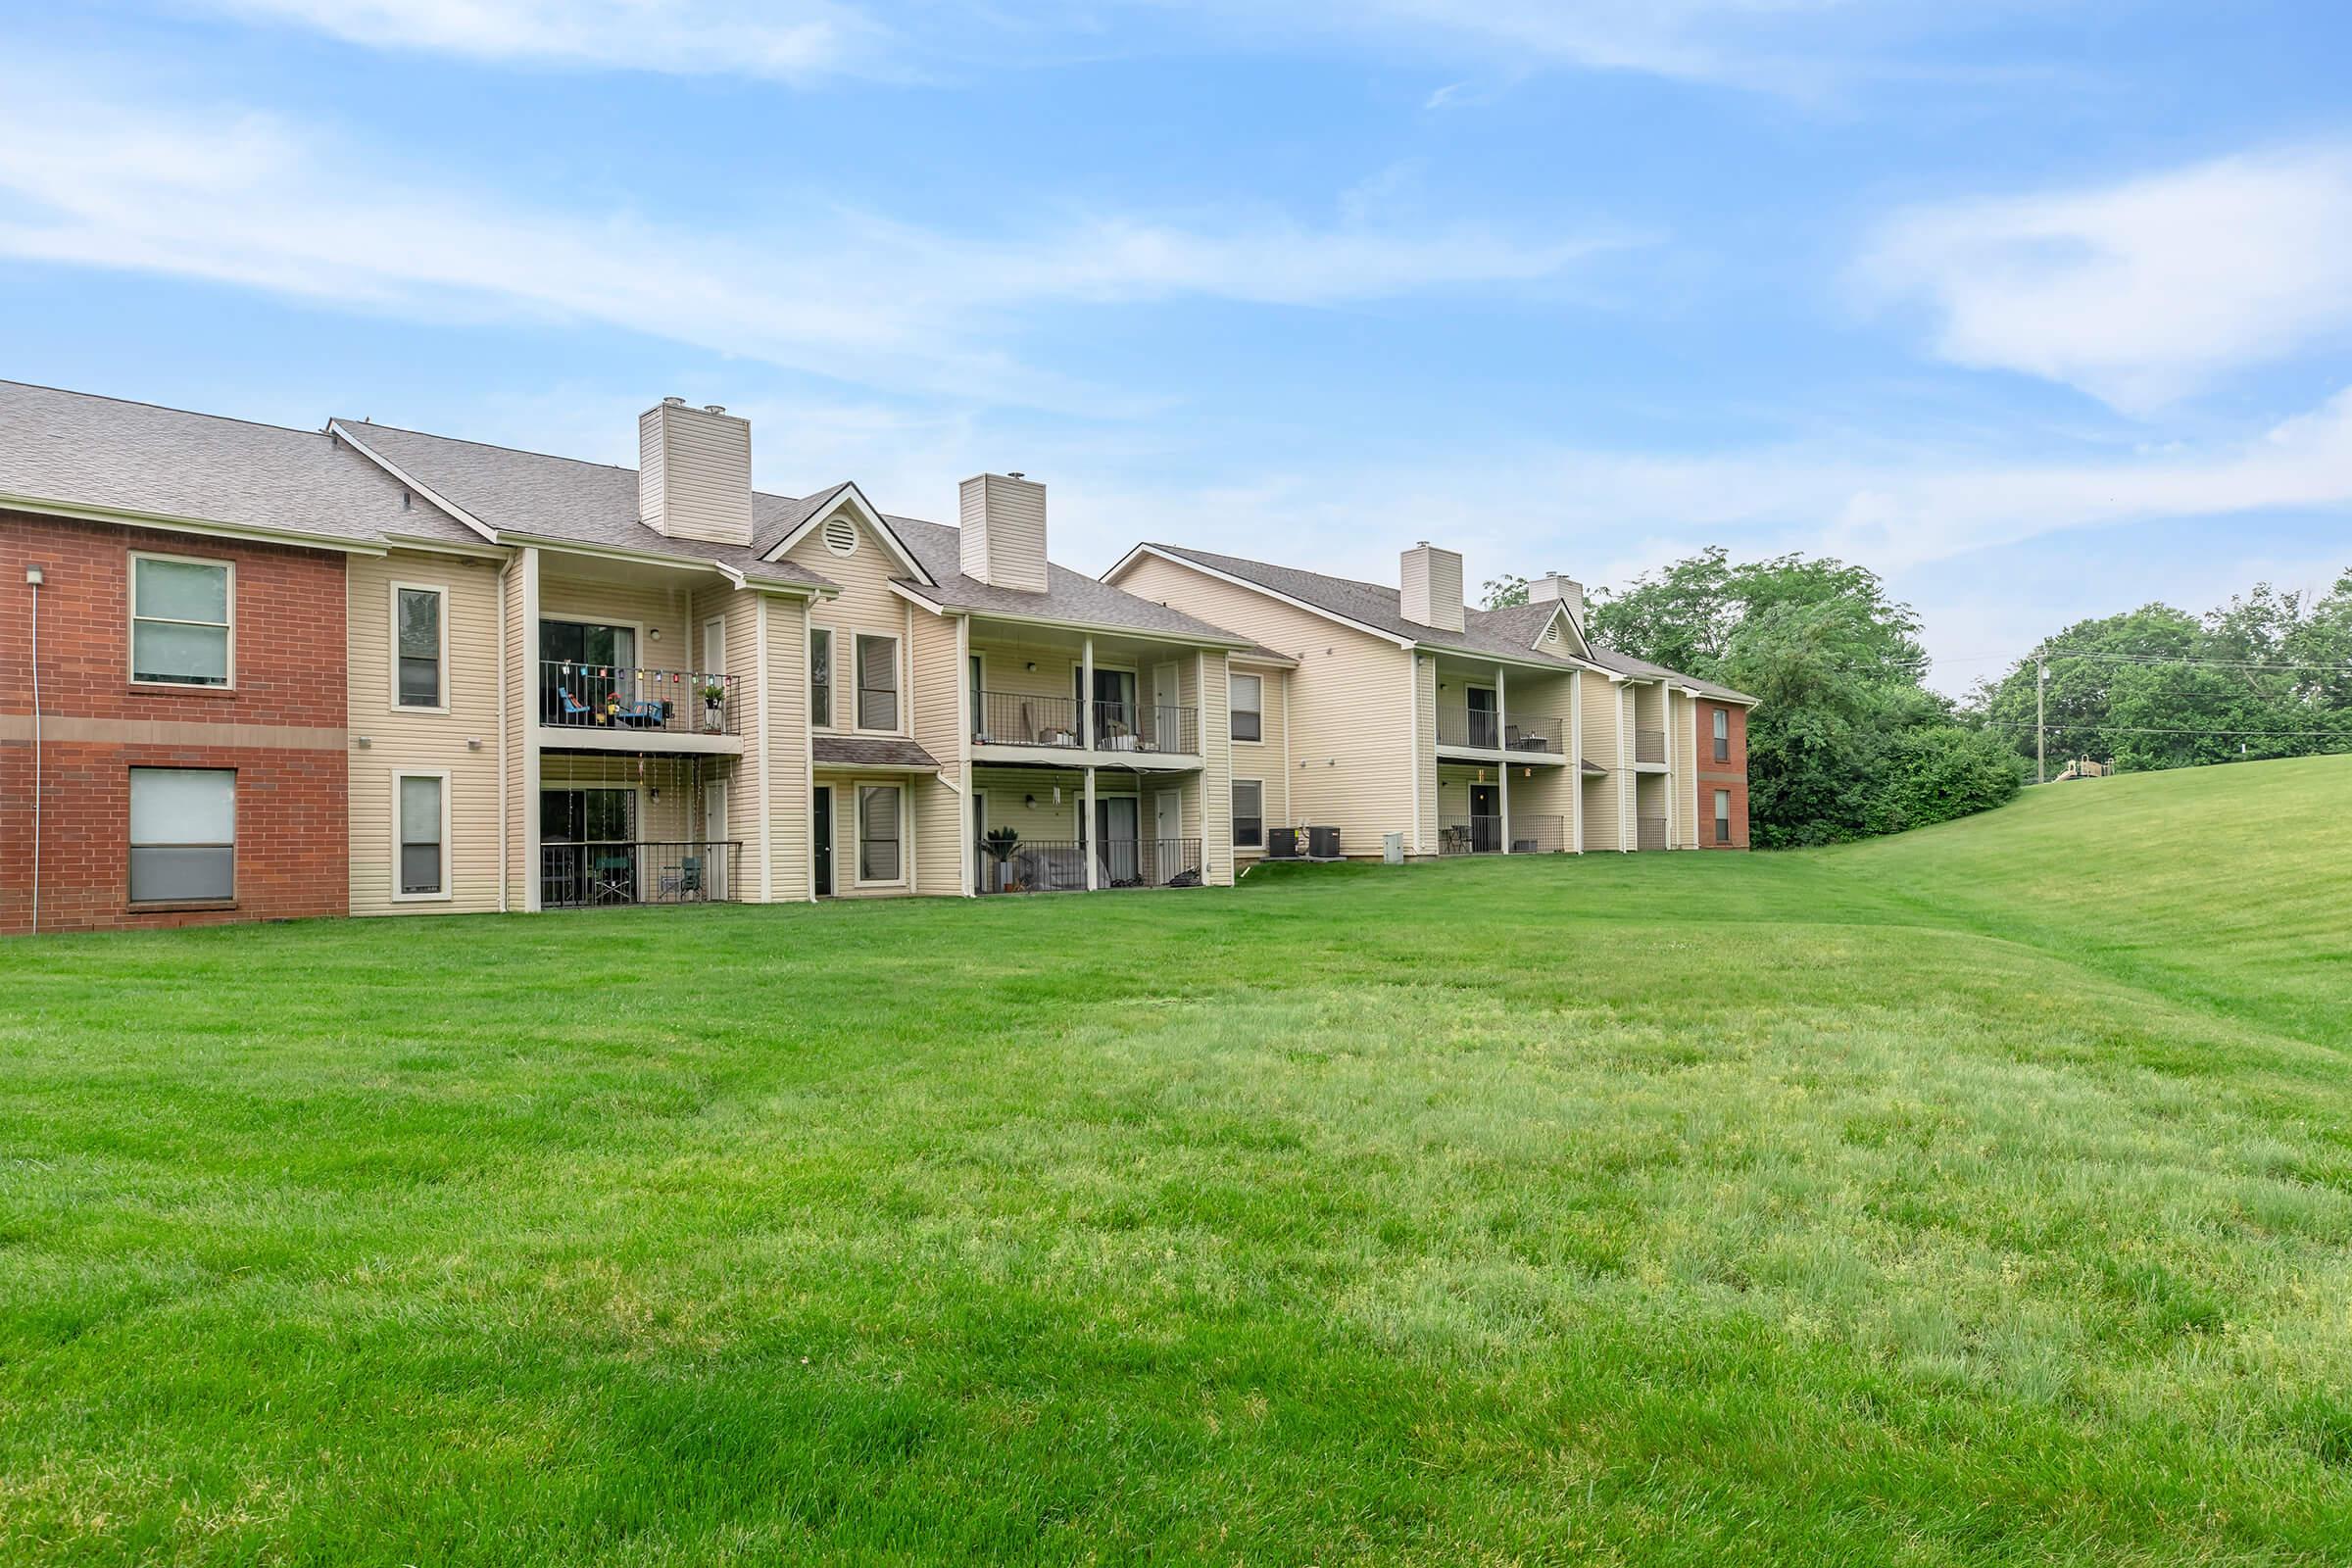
x=249 y=199
x=2139 y=293
x=787 y=41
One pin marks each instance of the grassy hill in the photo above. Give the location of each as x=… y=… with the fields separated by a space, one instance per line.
x=1980 y=1196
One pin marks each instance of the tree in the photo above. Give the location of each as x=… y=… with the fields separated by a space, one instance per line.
x=1504 y=592
x=1836 y=666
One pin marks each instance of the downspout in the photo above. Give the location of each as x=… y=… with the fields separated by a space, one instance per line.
x=505 y=805
x=32 y=580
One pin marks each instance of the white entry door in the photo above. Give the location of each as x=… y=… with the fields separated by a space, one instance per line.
x=1167 y=835
x=714 y=836
x=1162 y=724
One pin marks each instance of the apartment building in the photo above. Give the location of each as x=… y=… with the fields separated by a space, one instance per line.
x=378 y=671
x=1402 y=710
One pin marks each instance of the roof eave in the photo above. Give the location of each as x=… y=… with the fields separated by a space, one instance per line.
x=260 y=533
x=337 y=428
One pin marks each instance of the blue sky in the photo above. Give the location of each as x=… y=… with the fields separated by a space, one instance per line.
x=2041 y=308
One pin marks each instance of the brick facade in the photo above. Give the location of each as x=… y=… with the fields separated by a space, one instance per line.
x=1730 y=774
x=281 y=726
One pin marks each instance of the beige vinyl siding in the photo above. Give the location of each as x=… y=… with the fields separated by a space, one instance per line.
x=938 y=721
x=662 y=610
x=866 y=607
x=1216 y=792
x=914 y=804
x=699 y=472
x=521 y=674
x=1602 y=698
x=747 y=784
x=1010 y=791
x=1002 y=538
x=1425 y=703
x=1350 y=717
x=417 y=741
x=1264 y=759
x=780 y=806
x=1679 y=746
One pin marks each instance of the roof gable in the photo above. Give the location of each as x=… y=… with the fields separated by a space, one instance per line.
x=846 y=496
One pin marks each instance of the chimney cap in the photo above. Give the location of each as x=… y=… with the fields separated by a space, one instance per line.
x=1015 y=473
x=674 y=403
x=714 y=408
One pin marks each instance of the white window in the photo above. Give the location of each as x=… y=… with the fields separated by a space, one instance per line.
x=878 y=857
x=1723 y=735
x=183 y=835
x=1246 y=694
x=877 y=682
x=1723 y=816
x=180 y=625
x=420 y=822
x=420 y=647
x=1248 y=814
x=820 y=676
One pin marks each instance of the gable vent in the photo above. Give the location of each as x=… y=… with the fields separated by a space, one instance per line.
x=841 y=535
x=1552 y=633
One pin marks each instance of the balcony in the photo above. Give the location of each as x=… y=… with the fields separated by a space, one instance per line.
x=1051 y=724
x=1146 y=727
x=1531 y=833
x=1017 y=718
x=1486 y=730
x=1649 y=745
x=610 y=701
x=1059 y=866
x=611 y=872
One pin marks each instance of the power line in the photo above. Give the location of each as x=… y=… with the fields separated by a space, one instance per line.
x=2151 y=729
x=2190 y=659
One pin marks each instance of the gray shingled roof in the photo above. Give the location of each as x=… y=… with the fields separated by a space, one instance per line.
x=1069 y=596
x=869 y=751
x=78 y=449
x=568 y=499
x=1511 y=631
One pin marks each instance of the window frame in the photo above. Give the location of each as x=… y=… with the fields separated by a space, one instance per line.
x=1722 y=734
x=857 y=875
x=828 y=684
x=1723 y=816
x=898 y=683
x=1258 y=712
x=400 y=844
x=131 y=845
x=130 y=607
x=1235 y=818
x=440 y=658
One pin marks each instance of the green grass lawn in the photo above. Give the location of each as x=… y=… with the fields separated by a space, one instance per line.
x=1979 y=1196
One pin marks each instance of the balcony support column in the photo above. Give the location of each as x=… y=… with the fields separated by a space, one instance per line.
x=1576 y=760
x=1503 y=734
x=1086 y=709
x=1086 y=837
x=534 y=676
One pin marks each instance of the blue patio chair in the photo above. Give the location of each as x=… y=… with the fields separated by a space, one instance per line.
x=576 y=711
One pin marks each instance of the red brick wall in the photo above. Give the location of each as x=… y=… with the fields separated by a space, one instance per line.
x=289 y=675
x=1727 y=775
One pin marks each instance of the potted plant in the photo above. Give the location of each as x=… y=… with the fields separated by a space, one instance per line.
x=1000 y=843
x=714 y=696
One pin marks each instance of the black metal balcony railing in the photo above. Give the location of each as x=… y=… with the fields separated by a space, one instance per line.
x=1649 y=745
x=614 y=871
x=1470 y=835
x=1488 y=730
x=1650 y=833
x=674 y=702
x=1146 y=727
x=1016 y=718
x=1044 y=865
x=1538 y=833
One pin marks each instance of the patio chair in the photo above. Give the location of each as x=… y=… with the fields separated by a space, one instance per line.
x=576 y=711
x=684 y=883
x=613 y=880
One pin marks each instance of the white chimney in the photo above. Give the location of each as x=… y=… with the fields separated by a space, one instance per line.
x=1431 y=584
x=1567 y=590
x=694 y=472
x=1003 y=531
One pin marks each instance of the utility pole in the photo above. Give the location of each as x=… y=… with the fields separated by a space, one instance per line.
x=2041 y=688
